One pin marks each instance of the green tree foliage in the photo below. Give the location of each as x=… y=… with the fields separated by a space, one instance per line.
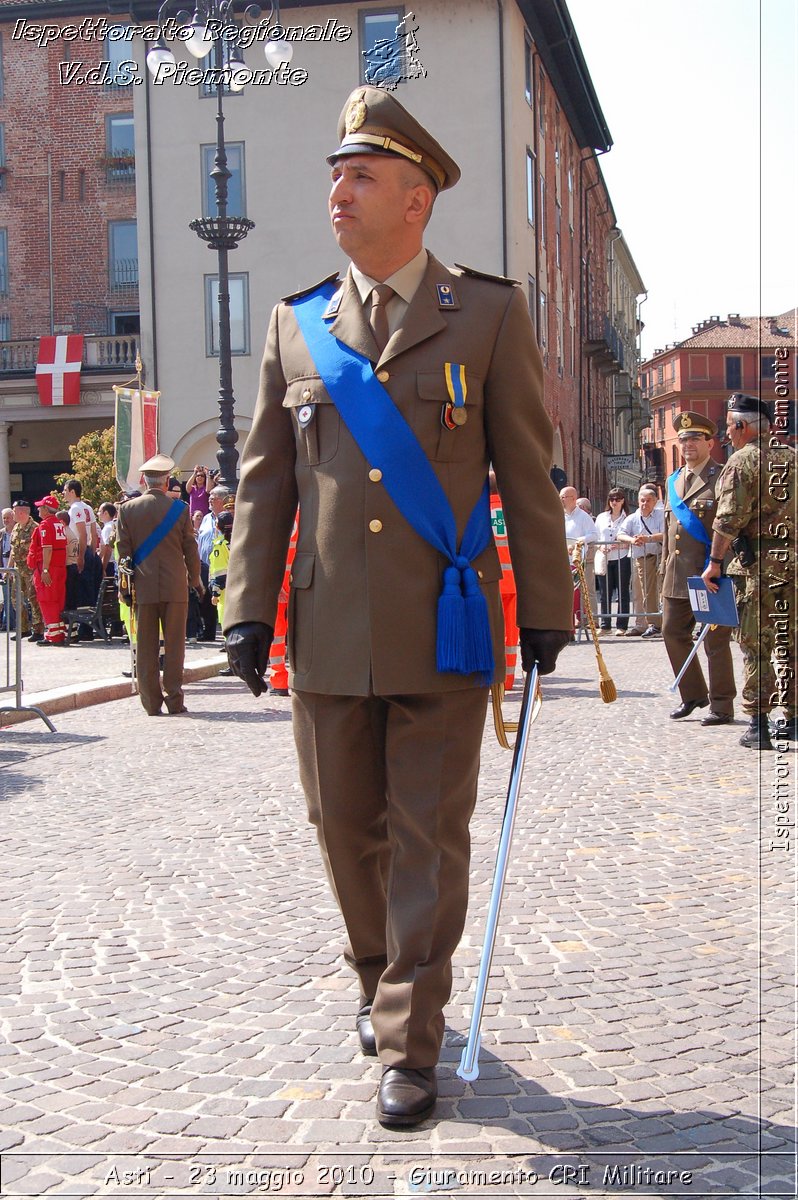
x=93 y=464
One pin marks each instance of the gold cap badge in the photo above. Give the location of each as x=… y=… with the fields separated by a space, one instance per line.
x=356 y=114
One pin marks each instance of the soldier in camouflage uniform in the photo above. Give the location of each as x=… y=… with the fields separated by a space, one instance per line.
x=756 y=503
x=20 y=545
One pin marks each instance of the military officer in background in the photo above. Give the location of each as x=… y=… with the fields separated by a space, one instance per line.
x=755 y=518
x=155 y=531
x=21 y=537
x=388 y=702
x=689 y=512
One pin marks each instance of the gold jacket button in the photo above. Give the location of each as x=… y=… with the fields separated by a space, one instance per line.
x=383 y=376
x=375 y=526
x=375 y=474
x=677 y=552
x=306 y=395
x=479 y=573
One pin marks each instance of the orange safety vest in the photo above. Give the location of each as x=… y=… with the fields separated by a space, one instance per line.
x=278 y=677
x=506 y=589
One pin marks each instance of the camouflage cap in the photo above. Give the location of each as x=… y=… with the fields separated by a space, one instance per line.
x=374 y=122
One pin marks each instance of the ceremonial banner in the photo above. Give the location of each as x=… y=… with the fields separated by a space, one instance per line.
x=135 y=433
x=58 y=369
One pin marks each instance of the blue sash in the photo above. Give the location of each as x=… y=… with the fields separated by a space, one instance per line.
x=464 y=643
x=159 y=533
x=686 y=516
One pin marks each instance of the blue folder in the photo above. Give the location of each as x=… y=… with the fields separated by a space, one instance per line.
x=713 y=608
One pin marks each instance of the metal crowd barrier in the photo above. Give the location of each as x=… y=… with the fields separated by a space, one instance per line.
x=11 y=648
x=598 y=614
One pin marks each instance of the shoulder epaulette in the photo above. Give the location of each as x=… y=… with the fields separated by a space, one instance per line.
x=484 y=275
x=313 y=287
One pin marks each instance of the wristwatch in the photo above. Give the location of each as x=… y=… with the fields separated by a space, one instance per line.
x=717 y=561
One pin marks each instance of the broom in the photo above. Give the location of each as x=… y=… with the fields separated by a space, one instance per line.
x=607 y=687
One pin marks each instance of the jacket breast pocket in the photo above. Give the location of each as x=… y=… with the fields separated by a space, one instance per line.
x=315 y=418
x=464 y=440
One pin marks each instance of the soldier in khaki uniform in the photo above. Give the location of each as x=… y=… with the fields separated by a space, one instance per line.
x=755 y=518
x=689 y=513
x=388 y=743
x=161 y=582
x=21 y=537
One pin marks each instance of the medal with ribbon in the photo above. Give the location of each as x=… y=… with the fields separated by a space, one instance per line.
x=454 y=412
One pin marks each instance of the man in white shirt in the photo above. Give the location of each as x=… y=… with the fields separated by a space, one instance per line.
x=84 y=523
x=644 y=531
x=579 y=526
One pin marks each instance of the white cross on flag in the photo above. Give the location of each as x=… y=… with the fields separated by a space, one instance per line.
x=58 y=369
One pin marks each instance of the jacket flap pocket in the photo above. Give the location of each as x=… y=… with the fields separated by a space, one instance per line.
x=302 y=570
x=431 y=385
x=307 y=390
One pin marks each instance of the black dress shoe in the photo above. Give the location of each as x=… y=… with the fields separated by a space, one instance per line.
x=717 y=719
x=406 y=1096
x=365 y=1031
x=686 y=707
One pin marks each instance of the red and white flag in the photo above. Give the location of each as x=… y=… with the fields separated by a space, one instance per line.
x=58 y=369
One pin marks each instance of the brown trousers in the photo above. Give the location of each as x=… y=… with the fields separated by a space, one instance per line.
x=678 y=623
x=391 y=783
x=169 y=616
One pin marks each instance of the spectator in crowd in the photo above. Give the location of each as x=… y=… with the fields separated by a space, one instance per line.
x=614 y=580
x=72 y=549
x=219 y=558
x=755 y=518
x=84 y=523
x=198 y=487
x=175 y=489
x=217 y=498
x=7 y=617
x=107 y=514
x=196 y=521
x=47 y=560
x=579 y=526
x=21 y=538
x=644 y=531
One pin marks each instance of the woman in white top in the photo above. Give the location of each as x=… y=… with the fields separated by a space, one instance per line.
x=618 y=563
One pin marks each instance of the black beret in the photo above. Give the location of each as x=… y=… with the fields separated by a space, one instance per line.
x=749 y=406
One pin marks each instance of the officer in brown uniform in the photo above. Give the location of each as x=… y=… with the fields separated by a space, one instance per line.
x=21 y=537
x=155 y=531
x=388 y=707
x=689 y=513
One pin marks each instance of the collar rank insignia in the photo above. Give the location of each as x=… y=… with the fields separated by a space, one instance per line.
x=335 y=303
x=446 y=297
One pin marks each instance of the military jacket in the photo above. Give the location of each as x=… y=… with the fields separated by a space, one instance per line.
x=683 y=555
x=364 y=586
x=756 y=497
x=21 y=536
x=166 y=572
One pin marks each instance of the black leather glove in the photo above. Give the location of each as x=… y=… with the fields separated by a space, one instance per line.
x=248 y=646
x=542 y=646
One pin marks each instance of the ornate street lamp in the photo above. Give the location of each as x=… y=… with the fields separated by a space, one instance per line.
x=212 y=27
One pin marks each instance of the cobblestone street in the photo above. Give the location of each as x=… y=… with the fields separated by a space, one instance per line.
x=177 y=1019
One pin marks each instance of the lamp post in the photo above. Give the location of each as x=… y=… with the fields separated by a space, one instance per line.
x=213 y=28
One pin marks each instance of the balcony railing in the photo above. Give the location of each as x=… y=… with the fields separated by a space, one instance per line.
x=605 y=345
x=101 y=353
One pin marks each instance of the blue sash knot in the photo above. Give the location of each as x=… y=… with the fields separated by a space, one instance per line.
x=464 y=644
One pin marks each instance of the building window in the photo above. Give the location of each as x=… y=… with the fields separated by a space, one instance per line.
x=542 y=210
x=532 y=297
x=530 y=186
x=120 y=150
x=3 y=262
x=542 y=102
x=239 y=314
x=734 y=372
x=767 y=366
x=543 y=339
x=382 y=53
x=236 y=193
x=2 y=73
x=529 y=86
x=557 y=233
x=2 y=158
x=122 y=68
x=699 y=366
x=123 y=255
x=560 y=344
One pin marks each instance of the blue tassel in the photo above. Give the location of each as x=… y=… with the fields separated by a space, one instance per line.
x=451 y=633
x=478 y=640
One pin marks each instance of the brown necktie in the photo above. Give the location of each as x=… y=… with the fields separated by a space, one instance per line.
x=688 y=481
x=378 y=318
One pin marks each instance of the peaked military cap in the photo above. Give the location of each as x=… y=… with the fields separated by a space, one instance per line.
x=159 y=464
x=688 y=424
x=374 y=122
x=749 y=406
